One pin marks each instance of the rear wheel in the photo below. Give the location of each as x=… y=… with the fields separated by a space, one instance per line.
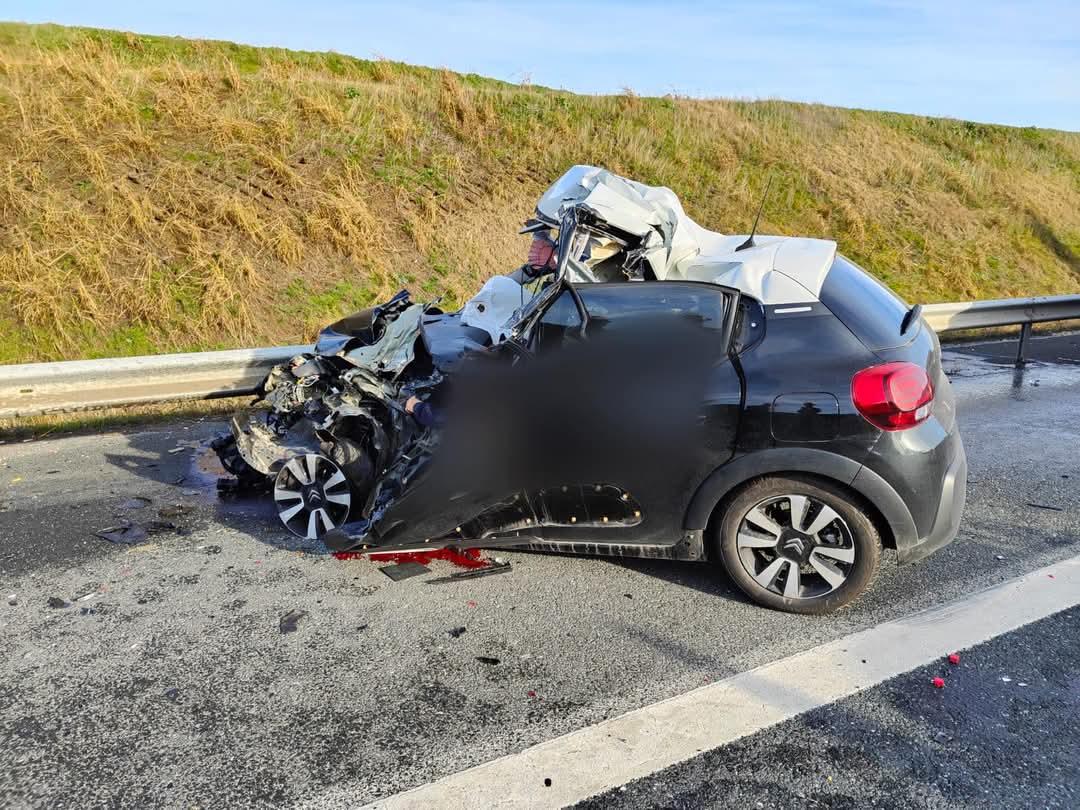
x=312 y=495
x=798 y=545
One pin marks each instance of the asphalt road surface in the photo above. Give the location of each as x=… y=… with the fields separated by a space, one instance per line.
x=162 y=676
x=1001 y=733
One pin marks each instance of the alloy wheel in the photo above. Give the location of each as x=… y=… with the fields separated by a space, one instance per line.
x=312 y=495
x=796 y=546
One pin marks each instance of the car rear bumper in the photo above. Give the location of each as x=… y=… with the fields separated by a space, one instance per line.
x=950 y=510
x=921 y=518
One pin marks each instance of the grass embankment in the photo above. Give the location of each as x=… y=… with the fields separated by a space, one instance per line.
x=163 y=194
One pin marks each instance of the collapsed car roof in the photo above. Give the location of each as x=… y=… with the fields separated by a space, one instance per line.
x=773 y=269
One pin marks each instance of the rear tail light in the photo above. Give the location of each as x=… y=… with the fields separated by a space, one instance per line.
x=893 y=396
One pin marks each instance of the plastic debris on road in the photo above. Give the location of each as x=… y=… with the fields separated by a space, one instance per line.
x=954 y=658
x=939 y=683
x=125 y=534
x=404 y=570
x=473 y=573
x=288 y=622
x=129 y=533
x=175 y=510
x=463 y=558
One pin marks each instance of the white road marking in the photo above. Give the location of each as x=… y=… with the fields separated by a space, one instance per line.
x=641 y=742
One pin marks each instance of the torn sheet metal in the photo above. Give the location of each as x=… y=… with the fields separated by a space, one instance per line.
x=776 y=270
x=397 y=346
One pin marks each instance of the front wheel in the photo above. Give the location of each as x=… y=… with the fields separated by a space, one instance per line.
x=798 y=545
x=312 y=495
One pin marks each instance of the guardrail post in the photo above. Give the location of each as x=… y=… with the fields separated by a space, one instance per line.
x=1025 y=333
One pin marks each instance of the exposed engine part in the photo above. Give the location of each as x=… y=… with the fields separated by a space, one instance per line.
x=246 y=476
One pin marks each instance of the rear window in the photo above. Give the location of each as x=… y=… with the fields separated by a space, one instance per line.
x=865 y=306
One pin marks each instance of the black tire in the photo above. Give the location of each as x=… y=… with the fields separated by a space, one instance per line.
x=855 y=531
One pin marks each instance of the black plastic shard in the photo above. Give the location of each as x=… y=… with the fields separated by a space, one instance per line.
x=404 y=570
x=472 y=573
x=126 y=534
x=456 y=632
x=484 y=659
x=288 y=622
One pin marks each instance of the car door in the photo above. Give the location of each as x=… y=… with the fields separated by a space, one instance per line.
x=640 y=403
x=625 y=400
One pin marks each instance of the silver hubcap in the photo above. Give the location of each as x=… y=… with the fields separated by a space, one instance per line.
x=796 y=546
x=312 y=495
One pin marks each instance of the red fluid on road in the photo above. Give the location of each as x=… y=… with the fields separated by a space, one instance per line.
x=465 y=558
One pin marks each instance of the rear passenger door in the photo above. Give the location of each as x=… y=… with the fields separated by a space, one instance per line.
x=650 y=399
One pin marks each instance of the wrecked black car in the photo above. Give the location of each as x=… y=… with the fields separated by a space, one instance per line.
x=654 y=389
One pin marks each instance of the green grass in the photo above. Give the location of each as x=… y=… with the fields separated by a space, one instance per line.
x=163 y=194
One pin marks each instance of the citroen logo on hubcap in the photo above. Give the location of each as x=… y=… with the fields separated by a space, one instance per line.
x=796 y=543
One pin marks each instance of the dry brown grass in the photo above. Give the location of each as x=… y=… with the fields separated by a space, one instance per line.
x=161 y=194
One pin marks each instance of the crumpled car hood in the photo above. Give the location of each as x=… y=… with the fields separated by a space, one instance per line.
x=397 y=346
x=776 y=270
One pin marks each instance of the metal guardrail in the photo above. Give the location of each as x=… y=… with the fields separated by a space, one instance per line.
x=74 y=385
x=1003 y=312
x=38 y=388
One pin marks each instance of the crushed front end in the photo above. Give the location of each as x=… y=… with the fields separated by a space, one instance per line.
x=332 y=428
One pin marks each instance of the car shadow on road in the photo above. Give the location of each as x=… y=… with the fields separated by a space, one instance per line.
x=706 y=577
x=184 y=461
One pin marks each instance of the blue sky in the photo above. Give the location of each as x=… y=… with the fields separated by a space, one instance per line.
x=1012 y=63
